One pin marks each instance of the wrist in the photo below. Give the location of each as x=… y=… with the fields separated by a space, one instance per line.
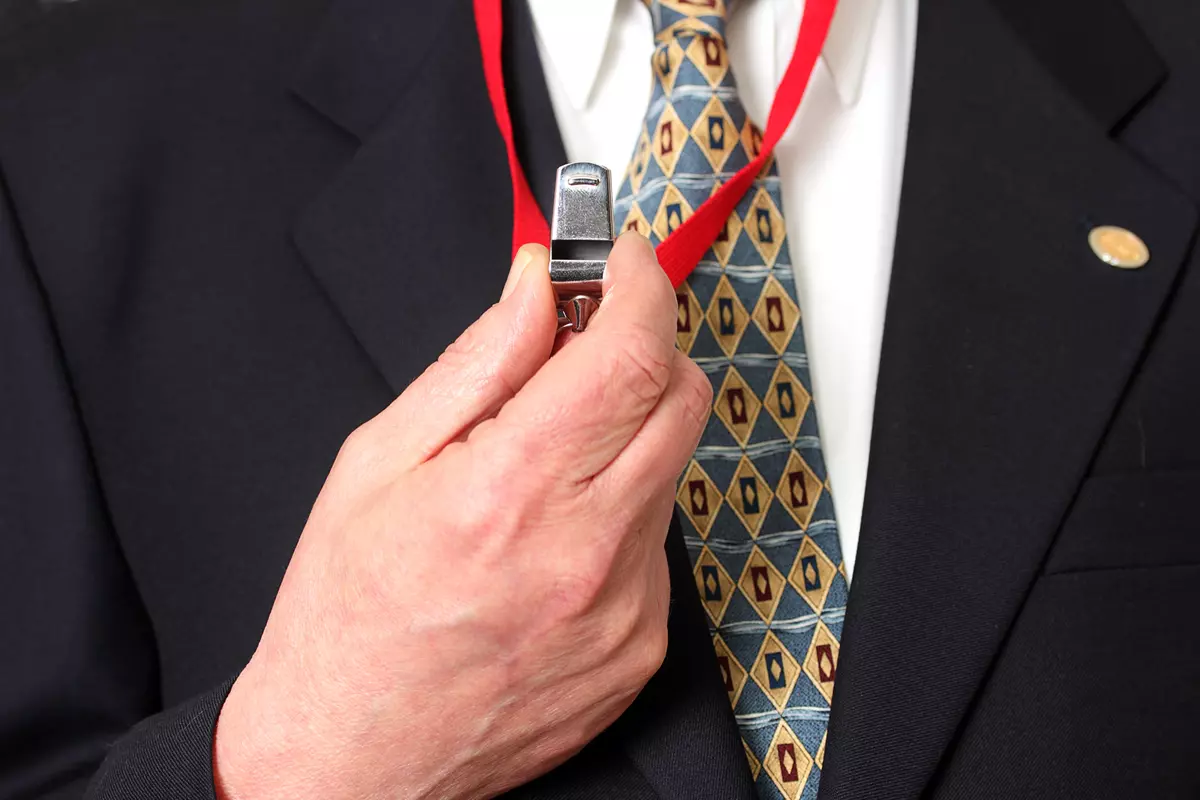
x=258 y=753
x=232 y=780
x=271 y=743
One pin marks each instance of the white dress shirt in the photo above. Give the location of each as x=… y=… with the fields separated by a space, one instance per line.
x=840 y=163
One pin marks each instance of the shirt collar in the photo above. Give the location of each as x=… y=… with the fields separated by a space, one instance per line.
x=574 y=36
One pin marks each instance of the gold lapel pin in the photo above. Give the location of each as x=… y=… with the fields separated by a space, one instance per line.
x=1118 y=247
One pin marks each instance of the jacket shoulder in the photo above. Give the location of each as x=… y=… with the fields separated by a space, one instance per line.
x=85 y=45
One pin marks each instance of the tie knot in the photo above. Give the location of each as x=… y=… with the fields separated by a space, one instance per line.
x=688 y=18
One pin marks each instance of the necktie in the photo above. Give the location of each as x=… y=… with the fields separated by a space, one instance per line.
x=760 y=525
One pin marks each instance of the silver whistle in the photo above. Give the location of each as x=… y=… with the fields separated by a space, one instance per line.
x=581 y=235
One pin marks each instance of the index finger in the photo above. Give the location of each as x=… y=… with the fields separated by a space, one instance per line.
x=587 y=402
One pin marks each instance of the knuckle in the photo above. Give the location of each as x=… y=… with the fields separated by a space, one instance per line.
x=459 y=357
x=575 y=590
x=514 y=477
x=614 y=641
x=610 y=639
x=654 y=649
x=635 y=634
x=627 y=548
x=666 y=299
x=641 y=364
x=472 y=516
x=482 y=507
x=473 y=367
x=697 y=394
x=647 y=653
x=466 y=345
x=359 y=448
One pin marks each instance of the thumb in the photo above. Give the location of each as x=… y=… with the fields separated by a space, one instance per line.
x=481 y=370
x=521 y=260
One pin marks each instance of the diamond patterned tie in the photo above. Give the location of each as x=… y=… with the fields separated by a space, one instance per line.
x=759 y=524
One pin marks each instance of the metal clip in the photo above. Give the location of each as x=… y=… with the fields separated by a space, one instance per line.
x=581 y=236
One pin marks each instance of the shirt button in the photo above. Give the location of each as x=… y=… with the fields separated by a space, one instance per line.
x=1118 y=247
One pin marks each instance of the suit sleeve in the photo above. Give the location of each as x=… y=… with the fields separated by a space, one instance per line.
x=79 y=700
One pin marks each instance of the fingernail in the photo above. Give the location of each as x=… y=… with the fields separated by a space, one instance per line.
x=520 y=261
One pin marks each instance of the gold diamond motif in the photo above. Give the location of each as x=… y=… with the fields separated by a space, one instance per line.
x=764 y=226
x=749 y=496
x=786 y=400
x=636 y=171
x=691 y=22
x=787 y=762
x=727 y=317
x=776 y=314
x=775 y=671
x=762 y=584
x=699 y=498
x=672 y=211
x=667 y=140
x=820 y=665
x=798 y=490
x=707 y=52
x=688 y=318
x=755 y=764
x=667 y=58
x=812 y=574
x=723 y=245
x=820 y=758
x=635 y=220
x=736 y=405
x=733 y=675
x=714 y=584
x=715 y=133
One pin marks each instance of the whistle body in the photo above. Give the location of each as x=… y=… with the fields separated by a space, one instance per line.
x=581 y=236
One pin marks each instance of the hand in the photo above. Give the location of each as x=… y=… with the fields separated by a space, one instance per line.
x=481 y=587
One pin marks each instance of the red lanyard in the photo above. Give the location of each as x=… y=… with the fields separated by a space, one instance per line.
x=684 y=248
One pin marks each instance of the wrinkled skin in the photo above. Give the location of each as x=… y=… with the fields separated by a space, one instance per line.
x=481 y=587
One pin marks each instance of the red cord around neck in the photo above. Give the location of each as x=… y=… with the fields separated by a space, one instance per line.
x=688 y=243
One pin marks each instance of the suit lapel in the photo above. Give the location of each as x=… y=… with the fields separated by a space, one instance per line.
x=410 y=239
x=1006 y=348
